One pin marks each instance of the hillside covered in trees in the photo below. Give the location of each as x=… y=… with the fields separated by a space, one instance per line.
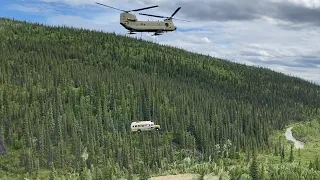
x=68 y=97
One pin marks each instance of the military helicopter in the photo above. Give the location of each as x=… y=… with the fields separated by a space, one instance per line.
x=131 y=23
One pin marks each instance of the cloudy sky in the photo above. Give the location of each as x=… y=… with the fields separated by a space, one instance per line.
x=283 y=35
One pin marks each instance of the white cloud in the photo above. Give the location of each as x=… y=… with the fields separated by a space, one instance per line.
x=313 y=4
x=35 y=8
x=193 y=39
x=258 y=43
x=75 y=2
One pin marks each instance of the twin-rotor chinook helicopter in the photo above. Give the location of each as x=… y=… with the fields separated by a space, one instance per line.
x=131 y=23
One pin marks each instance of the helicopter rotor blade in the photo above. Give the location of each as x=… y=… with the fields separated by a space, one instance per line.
x=145 y=8
x=163 y=17
x=168 y=18
x=153 y=15
x=175 y=12
x=110 y=7
x=181 y=20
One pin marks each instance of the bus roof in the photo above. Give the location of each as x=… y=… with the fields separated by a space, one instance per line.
x=137 y=122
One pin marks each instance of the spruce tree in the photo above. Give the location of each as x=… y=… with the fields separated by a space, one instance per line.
x=144 y=173
x=254 y=169
x=282 y=154
x=291 y=158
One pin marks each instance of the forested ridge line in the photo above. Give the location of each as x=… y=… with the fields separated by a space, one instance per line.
x=66 y=90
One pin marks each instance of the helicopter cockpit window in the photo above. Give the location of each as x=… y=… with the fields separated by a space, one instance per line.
x=166 y=24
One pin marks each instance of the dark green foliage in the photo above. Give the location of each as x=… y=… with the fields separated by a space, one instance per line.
x=291 y=158
x=129 y=175
x=276 y=150
x=291 y=171
x=202 y=174
x=144 y=173
x=263 y=173
x=53 y=173
x=315 y=164
x=254 y=168
x=3 y=146
x=66 y=90
x=282 y=153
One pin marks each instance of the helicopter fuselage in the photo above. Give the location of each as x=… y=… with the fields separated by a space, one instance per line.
x=131 y=23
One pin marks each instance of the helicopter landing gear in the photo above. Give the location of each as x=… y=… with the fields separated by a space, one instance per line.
x=130 y=32
x=157 y=34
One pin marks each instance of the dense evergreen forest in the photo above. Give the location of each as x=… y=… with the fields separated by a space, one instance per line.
x=68 y=97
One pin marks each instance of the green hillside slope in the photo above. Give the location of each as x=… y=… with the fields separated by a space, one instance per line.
x=67 y=92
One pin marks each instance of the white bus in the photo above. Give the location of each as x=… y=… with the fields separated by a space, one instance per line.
x=144 y=126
